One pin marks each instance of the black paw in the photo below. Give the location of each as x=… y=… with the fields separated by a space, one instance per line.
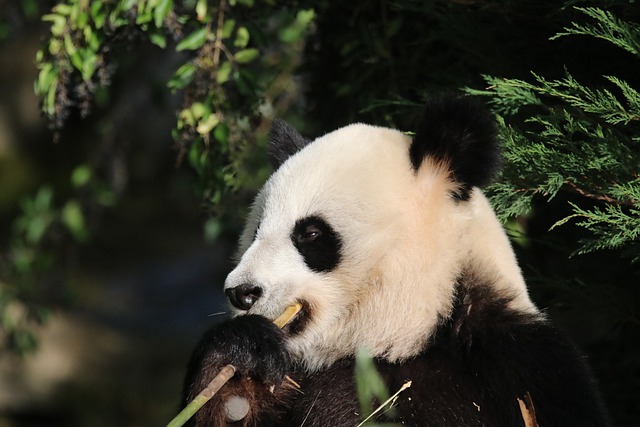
x=252 y=344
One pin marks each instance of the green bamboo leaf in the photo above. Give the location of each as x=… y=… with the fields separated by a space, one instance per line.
x=223 y=72
x=68 y=45
x=201 y=10
x=207 y=125
x=46 y=77
x=297 y=29
x=198 y=109
x=161 y=11
x=96 y=9
x=50 y=102
x=81 y=176
x=74 y=54
x=73 y=218
x=369 y=384
x=182 y=77
x=245 y=56
x=242 y=38
x=62 y=9
x=186 y=117
x=89 y=62
x=92 y=38
x=193 y=41
x=81 y=21
x=227 y=28
x=221 y=134
x=58 y=23
x=158 y=39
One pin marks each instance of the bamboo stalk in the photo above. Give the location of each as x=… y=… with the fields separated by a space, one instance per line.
x=223 y=376
x=203 y=397
x=287 y=315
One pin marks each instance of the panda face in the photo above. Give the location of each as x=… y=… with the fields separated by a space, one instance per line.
x=321 y=228
x=369 y=230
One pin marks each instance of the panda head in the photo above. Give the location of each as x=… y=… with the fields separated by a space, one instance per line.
x=370 y=230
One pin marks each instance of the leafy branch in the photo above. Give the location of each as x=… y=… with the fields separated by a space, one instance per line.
x=231 y=77
x=574 y=138
x=625 y=35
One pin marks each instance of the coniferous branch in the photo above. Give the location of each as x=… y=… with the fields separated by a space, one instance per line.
x=623 y=34
x=577 y=139
x=631 y=95
x=598 y=101
x=508 y=96
x=612 y=226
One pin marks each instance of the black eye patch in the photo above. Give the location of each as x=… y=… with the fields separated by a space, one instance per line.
x=318 y=243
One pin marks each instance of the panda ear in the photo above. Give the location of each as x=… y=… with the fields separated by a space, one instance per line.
x=459 y=132
x=284 y=141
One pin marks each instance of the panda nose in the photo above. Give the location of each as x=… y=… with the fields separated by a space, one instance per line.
x=244 y=296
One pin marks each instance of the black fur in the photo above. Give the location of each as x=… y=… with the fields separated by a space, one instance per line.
x=481 y=359
x=462 y=133
x=253 y=344
x=318 y=243
x=284 y=141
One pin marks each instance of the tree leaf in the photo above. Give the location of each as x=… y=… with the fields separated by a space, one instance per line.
x=182 y=77
x=73 y=218
x=245 y=56
x=158 y=39
x=205 y=126
x=161 y=11
x=242 y=37
x=223 y=72
x=227 y=28
x=193 y=41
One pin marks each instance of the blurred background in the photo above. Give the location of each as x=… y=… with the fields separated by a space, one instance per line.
x=132 y=140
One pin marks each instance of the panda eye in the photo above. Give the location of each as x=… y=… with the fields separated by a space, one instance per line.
x=318 y=243
x=309 y=234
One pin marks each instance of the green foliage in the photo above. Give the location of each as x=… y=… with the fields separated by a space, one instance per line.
x=371 y=390
x=612 y=226
x=29 y=283
x=237 y=58
x=625 y=35
x=574 y=138
x=369 y=383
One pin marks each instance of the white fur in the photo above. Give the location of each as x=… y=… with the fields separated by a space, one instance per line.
x=405 y=241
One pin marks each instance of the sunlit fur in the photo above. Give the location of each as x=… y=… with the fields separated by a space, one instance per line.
x=405 y=242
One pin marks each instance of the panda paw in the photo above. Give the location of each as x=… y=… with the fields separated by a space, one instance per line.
x=251 y=343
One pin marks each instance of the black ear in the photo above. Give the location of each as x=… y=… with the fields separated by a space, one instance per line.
x=284 y=141
x=461 y=132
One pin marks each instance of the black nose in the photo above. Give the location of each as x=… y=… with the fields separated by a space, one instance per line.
x=244 y=296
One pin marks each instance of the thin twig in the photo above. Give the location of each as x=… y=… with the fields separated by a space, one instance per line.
x=599 y=197
x=217 y=45
x=310 y=409
x=386 y=402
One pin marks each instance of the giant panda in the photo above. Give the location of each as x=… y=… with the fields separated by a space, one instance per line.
x=389 y=245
